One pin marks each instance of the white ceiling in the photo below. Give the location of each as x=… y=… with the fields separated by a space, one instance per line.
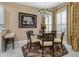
x=41 y=4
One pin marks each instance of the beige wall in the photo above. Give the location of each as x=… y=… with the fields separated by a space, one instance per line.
x=12 y=19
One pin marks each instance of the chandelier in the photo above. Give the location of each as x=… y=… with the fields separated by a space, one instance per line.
x=44 y=11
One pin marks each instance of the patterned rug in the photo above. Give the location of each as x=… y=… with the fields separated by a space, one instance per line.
x=36 y=51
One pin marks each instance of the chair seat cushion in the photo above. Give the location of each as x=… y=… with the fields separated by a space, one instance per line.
x=10 y=35
x=48 y=43
x=57 y=40
x=34 y=39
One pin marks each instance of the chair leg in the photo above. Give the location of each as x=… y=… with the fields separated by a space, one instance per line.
x=53 y=50
x=62 y=47
x=30 y=47
x=42 y=52
x=13 y=42
x=5 y=44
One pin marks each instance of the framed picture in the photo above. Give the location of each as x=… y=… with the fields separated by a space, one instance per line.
x=27 y=20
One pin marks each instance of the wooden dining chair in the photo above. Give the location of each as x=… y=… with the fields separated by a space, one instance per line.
x=32 y=39
x=47 y=40
x=59 y=40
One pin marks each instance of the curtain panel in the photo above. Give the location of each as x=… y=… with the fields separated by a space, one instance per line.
x=69 y=23
x=72 y=17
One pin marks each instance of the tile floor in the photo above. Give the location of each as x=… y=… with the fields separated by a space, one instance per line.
x=17 y=52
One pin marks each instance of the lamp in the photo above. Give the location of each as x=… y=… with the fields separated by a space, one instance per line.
x=44 y=11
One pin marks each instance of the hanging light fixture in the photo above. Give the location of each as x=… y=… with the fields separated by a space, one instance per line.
x=44 y=11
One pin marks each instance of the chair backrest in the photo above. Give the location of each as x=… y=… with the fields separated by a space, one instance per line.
x=62 y=35
x=48 y=36
x=54 y=32
x=29 y=33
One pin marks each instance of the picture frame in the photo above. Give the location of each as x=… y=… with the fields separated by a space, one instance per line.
x=27 y=20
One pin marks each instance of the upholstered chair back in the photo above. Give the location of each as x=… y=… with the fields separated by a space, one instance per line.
x=54 y=32
x=62 y=35
x=29 y=33
x=48 y=35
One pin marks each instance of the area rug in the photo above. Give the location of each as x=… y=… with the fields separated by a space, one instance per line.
x=36 y=51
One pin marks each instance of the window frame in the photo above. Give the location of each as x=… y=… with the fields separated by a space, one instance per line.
x=2 y=24
x=61 y=24
x=49 y=24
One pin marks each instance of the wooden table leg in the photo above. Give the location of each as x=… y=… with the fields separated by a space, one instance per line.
x=53 y=48
x=42 y=52
x=5 y=45
x=13 y=42
x=42 y=49
x=6 y=41
x=53 y=51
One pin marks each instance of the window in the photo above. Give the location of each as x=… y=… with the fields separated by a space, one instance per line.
x=48 y=23
x=1 y=18
x=61 y=21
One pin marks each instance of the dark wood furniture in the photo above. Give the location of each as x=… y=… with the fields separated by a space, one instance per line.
x=29 y=33
x=39 y=36
x=54 y=32
x=7 y=40
x=32 y=38
x=49 y=38
x=59 y=40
